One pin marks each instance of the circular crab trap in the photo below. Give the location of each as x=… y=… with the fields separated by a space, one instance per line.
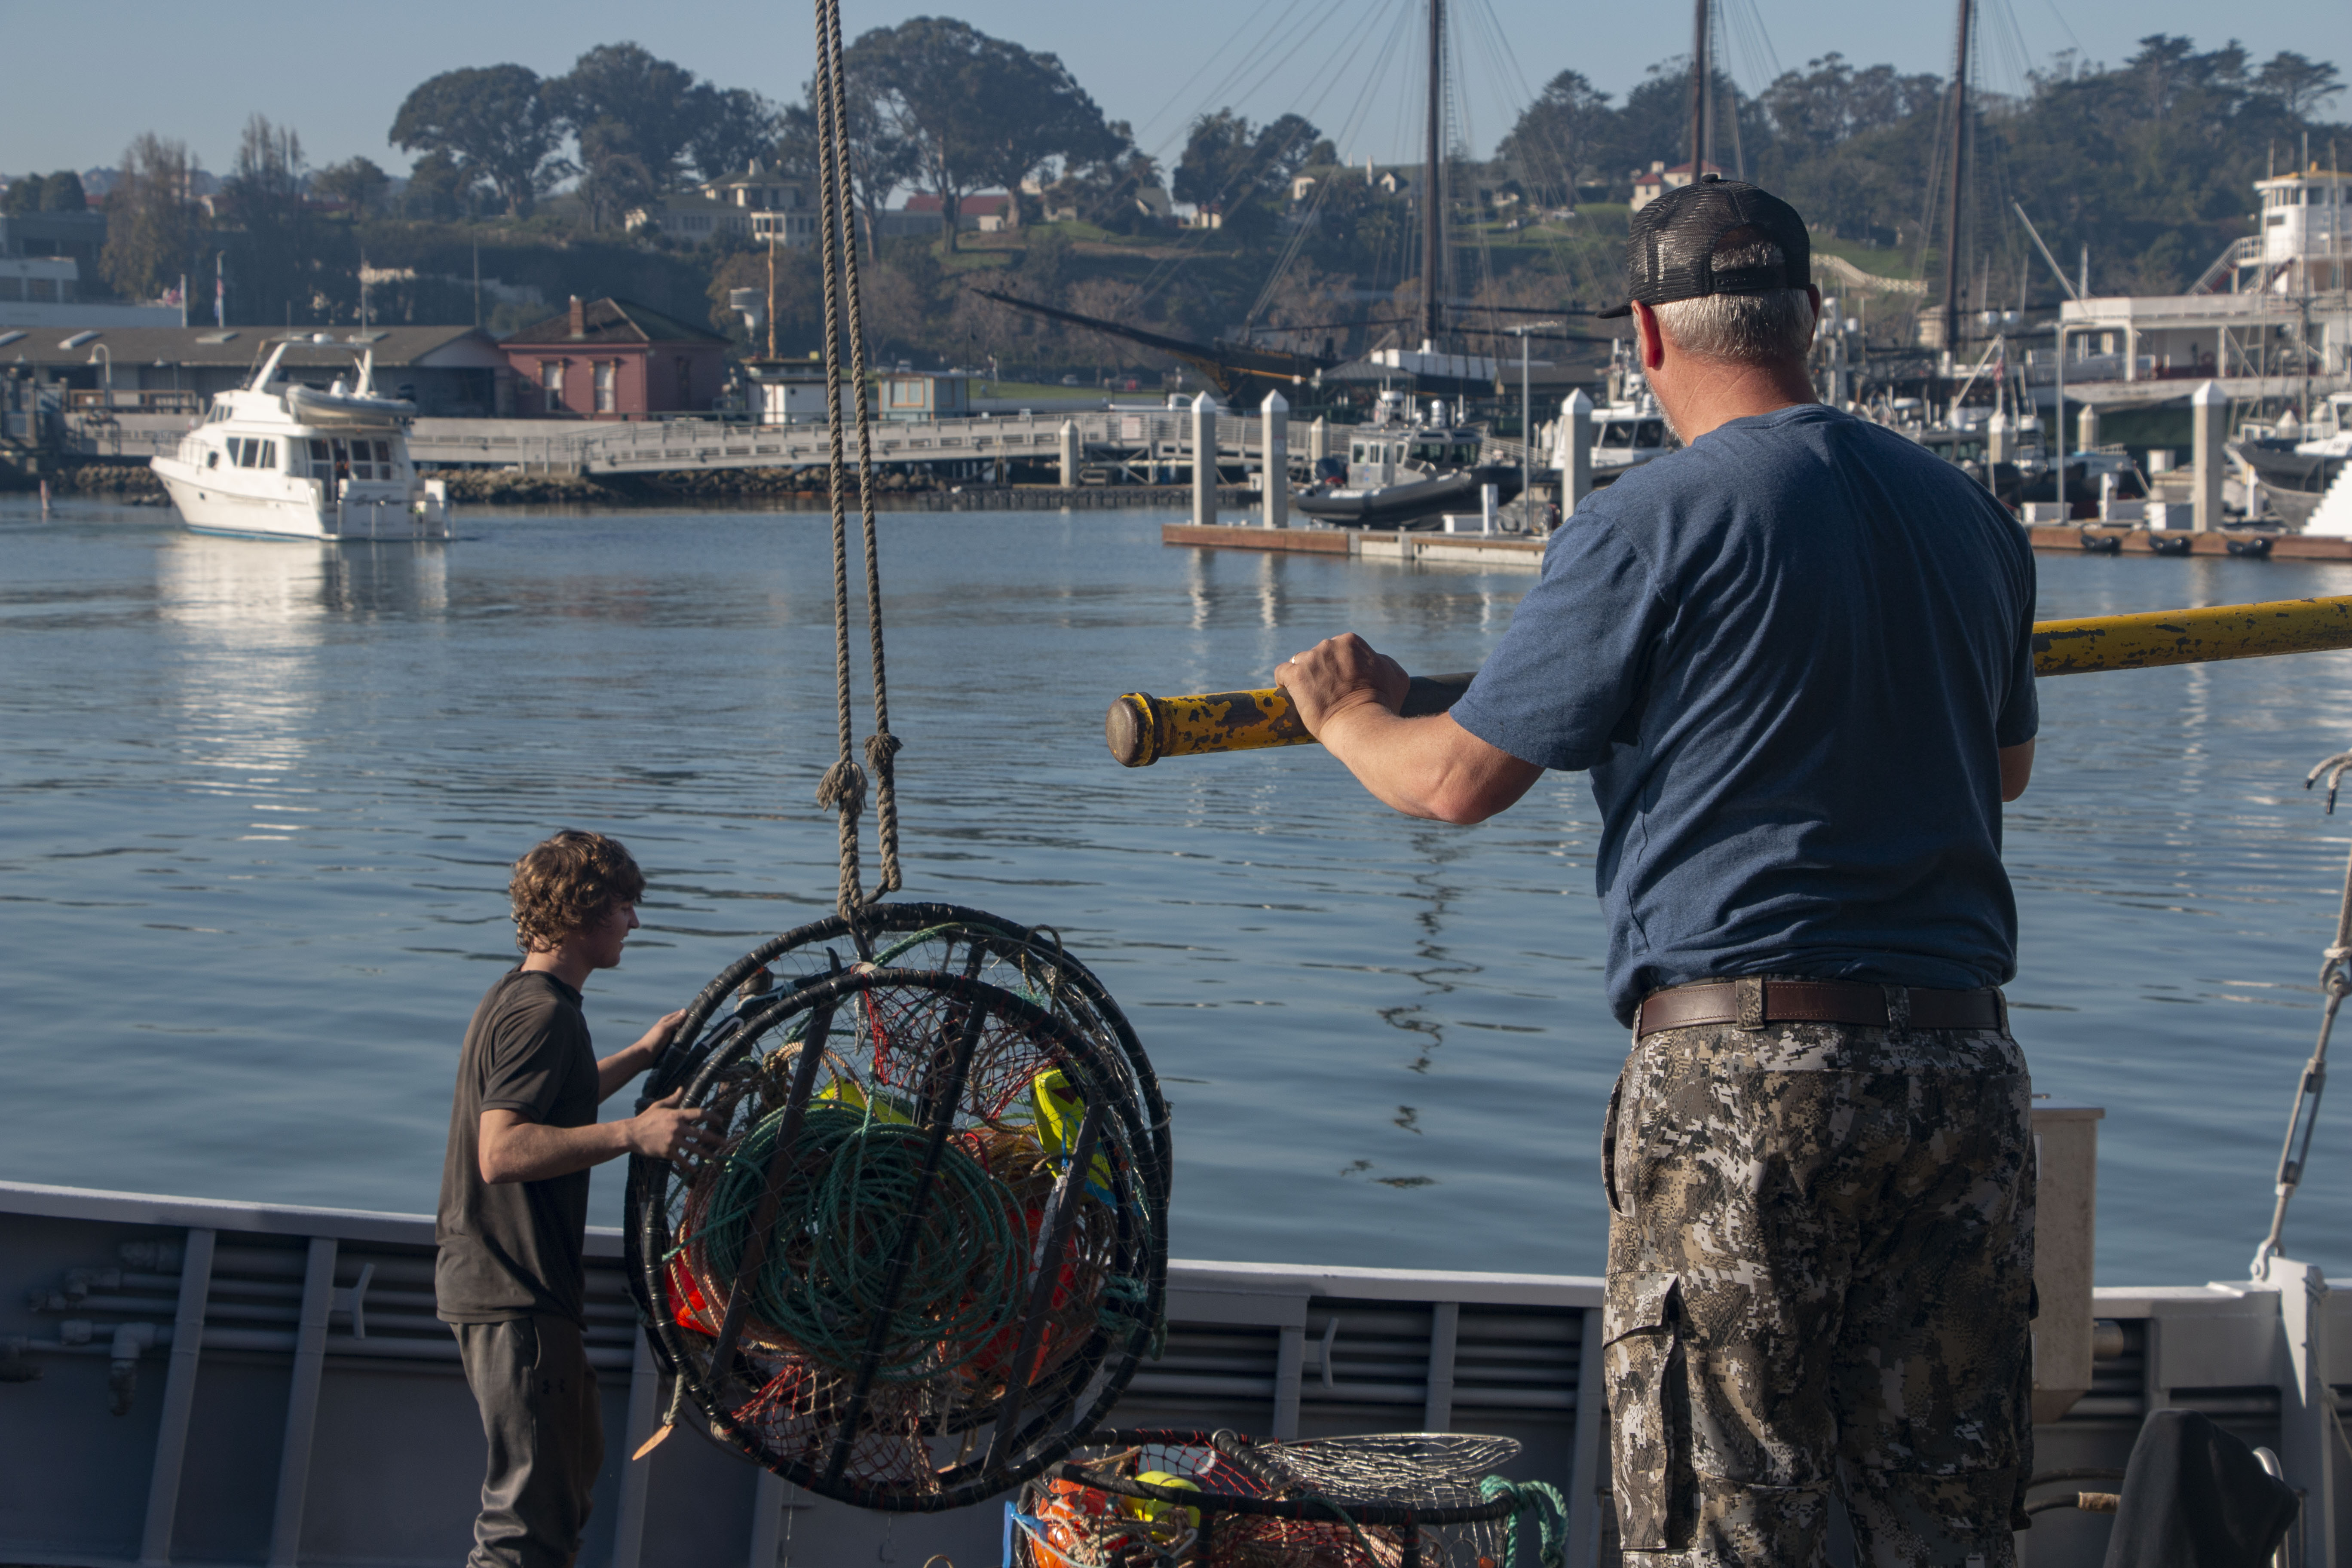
x=931 y=1246
x=1132 y=1498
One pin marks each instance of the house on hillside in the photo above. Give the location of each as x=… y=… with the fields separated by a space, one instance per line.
x=753 y=204
x=758 y=190
x=610 y=359
x=1659 y=178
x=985 y=214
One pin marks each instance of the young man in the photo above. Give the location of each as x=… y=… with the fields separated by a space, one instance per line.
x=1796 y=658
x=514 y=1194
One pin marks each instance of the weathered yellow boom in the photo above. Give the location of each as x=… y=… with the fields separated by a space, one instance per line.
x=1141 y=728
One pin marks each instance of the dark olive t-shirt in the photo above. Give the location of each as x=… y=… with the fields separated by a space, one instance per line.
x=512 y=1249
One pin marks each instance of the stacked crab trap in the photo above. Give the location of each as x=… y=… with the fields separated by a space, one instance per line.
x=1214 y=1499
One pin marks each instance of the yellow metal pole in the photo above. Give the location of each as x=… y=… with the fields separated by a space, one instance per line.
x=1141 y=728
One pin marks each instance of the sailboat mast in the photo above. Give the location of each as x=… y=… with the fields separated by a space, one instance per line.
x=1433 y=208
x=1960 y=160
x=1699 y=84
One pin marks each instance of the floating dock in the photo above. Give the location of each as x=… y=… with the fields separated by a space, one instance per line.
x=2119 y=539
x=1515 y=550
x=1471 y=549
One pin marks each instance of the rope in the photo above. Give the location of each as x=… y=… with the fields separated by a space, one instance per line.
x=1538 y=1505
x=822 y=1283
x=842 y=789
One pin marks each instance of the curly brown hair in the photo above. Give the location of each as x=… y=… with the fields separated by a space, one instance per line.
x=566 y=885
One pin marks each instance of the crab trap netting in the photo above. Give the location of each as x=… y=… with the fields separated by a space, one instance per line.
x=1152 y=1499
x=933 y=1244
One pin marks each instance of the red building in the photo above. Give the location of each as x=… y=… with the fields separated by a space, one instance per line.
x=608 y=359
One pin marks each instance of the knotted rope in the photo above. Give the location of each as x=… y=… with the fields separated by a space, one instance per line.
x=842 y=789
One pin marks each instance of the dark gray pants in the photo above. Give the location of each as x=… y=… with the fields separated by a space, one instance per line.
x=546 y=1437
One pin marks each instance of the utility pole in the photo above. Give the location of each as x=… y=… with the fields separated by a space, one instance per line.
x=1433 y=208
x=1699 y=84
x=1959 y=165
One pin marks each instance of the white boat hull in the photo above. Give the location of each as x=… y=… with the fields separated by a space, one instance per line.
x=206 y=506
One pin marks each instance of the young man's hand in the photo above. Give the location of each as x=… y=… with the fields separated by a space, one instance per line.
x=667 y=1131
x=653 y=1039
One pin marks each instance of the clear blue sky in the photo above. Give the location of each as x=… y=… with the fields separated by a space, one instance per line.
x=85 y=77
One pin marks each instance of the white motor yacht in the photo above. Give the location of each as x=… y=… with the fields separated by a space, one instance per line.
x=279 y=459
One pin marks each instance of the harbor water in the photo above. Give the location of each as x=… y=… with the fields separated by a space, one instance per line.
x=261 y=798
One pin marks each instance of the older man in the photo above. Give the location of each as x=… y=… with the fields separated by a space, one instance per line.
x=1795 y=658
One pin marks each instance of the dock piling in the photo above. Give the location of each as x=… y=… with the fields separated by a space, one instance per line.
x=1069 y=433
x=1575 y=454
x=1274 y=467
x=2208 y=407
x=1205 y=461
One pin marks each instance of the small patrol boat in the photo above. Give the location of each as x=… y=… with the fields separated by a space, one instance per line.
x=282 y=459
x=1406 y=470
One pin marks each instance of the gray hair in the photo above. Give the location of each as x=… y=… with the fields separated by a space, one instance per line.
x=1742 y=329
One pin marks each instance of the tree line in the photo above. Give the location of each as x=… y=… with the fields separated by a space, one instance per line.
x=2148 y=163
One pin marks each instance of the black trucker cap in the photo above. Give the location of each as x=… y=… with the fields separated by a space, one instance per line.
x=1670 y=249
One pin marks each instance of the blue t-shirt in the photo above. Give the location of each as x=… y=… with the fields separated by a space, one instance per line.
x=1789 y=655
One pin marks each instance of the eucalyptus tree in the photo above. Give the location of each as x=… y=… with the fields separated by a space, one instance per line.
x=498 y=125
x=977 y=111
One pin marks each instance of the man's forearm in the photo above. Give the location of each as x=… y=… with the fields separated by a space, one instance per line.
x=1427 y=767
x=620 y=1067
x=530 y=1152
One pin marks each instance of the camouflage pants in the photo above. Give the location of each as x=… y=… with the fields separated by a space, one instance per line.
x=1820 y=1260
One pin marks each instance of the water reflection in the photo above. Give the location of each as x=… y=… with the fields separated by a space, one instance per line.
x=265 y=591
x=255 y=620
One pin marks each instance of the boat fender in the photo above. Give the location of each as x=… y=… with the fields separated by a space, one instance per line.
x=2103 y=543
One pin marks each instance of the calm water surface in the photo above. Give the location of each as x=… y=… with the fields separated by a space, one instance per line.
x=260 y=799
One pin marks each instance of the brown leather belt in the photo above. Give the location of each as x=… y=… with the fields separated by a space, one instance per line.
x=1751 y=1003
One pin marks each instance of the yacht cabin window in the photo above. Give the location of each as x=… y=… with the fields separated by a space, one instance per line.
x=1650 y=433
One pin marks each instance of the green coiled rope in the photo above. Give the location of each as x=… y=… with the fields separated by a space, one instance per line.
x=850 y=1188
x=1540 y=1505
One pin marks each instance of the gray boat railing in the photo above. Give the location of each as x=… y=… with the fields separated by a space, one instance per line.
x=291 y=1398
